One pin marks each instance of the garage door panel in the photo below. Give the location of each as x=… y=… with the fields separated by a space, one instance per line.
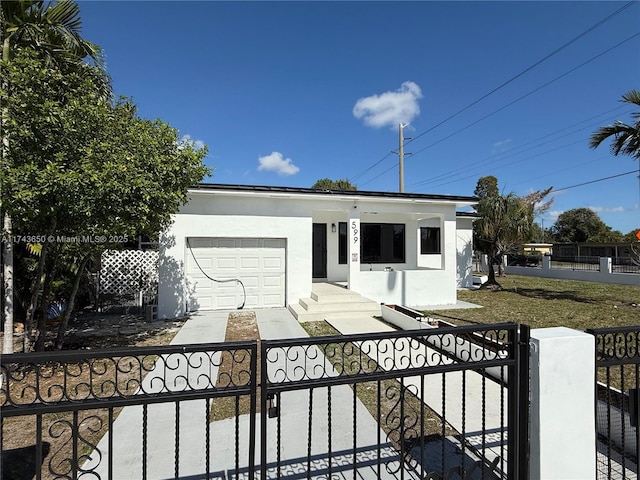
x=249 y=243
x=249 y=263
x=250 y=281
x=227 y=263
x=225 y=243
x=258 y=263
x=272 y=281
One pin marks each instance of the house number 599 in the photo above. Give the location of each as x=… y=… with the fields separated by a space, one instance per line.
x=354 y=227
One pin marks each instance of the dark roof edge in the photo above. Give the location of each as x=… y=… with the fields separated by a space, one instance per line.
x=312 y=191
x=467 y=214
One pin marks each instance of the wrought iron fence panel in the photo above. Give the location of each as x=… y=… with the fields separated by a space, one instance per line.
x=617 y=358
x=412 y=404
x=59 y=411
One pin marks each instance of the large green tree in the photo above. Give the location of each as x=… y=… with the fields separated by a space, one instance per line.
x=581 y=225
x=85 y=168
x=506 y=221
x=52 y=31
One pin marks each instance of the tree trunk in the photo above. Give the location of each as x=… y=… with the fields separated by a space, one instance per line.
x=71 y=303
x=29 y=337
x=491 y=283
x=7 y=346
x=44 y=302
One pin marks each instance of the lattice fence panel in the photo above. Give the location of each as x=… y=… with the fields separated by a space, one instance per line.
x=129 y=272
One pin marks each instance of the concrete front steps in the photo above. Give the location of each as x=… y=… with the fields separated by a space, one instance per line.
x=333 y=301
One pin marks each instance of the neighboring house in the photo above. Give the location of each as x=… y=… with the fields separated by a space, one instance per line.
x=537 y=248
x=401 y=248
x=613 y=250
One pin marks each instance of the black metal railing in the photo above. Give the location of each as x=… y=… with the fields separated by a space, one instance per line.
x=421 y=404
x=418 y=404
x=59 y=410
x=625 y=265
x=617 y=354
x=575 y=263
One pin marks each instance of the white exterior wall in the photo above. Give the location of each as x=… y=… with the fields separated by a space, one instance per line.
x=430 y=260
x=464 y=245
x=409 y=285
x=421 y=280
x=217 y=217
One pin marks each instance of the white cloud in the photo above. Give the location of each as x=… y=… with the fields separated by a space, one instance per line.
x=277 y=163
x=500 y=146
x=390 y=108
x=198 y=144
x=606 y=209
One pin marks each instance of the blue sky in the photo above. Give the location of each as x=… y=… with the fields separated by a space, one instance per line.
x=285 y=93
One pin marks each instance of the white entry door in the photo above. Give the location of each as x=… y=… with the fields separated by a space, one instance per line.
x=213 y=266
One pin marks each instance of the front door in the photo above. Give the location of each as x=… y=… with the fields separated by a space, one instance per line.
x=319 y=250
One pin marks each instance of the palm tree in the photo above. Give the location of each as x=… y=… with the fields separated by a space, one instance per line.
x=626 y=138
x=626 y=141
x=53 y=31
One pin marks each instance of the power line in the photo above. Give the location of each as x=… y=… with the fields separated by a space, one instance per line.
x=370 y=168
x=531 y=67
x=539 y=62
x=528 y=94
x=513 y=151
x=593 y=181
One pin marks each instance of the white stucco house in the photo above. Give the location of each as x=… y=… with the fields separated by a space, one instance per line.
x=258 y=246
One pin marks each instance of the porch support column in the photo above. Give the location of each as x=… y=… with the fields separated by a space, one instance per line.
x=354 y=248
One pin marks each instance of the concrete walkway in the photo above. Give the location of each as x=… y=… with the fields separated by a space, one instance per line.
x=127 y=432
x=466 y=417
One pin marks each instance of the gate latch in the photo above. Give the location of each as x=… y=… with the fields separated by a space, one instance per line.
x=273 y=405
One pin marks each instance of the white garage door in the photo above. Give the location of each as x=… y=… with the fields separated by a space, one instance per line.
x=258 y=262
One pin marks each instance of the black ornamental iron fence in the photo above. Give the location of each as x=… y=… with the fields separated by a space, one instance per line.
x=433 y=403
x=59 y=411
x=617 y=359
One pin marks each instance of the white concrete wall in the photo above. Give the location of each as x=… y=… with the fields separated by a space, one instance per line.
x=563 y=431
x=464 y=248
x=605 y=275
x=412 y=288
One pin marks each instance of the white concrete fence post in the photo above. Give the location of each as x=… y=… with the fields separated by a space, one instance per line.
x=563 y=432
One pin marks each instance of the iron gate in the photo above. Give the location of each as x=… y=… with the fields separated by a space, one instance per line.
x=433 y=403
x=436 y=403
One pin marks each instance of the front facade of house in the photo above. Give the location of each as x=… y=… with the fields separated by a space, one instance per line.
x=235 y=246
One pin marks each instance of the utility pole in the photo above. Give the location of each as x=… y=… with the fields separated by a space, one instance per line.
x=401 y=153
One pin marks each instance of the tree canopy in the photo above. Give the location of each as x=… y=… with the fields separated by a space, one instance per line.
x=328 y=184
x=505 y=222
x=581 y=225
x=84 y=167
x=626 y=137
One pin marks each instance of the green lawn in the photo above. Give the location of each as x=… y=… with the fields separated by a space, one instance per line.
x=546 y=302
